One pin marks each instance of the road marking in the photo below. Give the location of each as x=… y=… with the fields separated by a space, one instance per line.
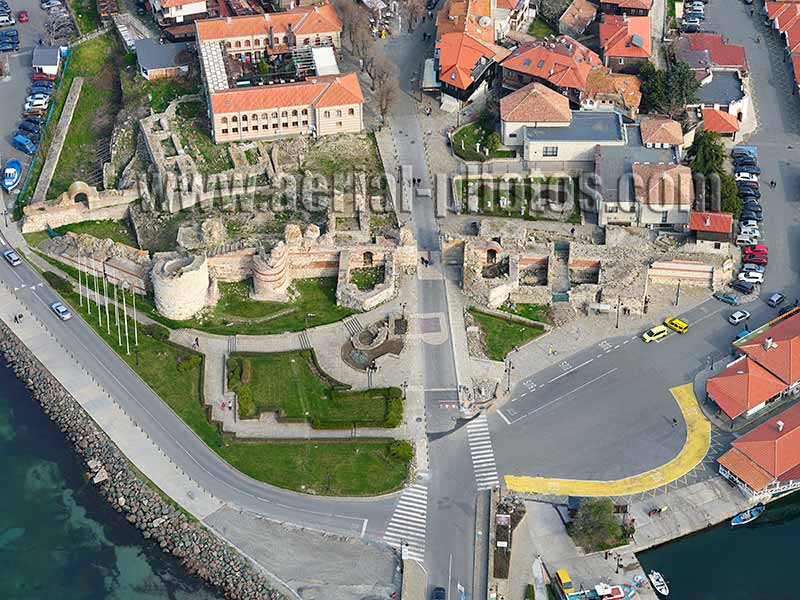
x=482 y=453
x=408 y=524
x=711 y=314
x=625 y=342
x=580 y=387
x=502 y=416
x=364 y=528
x=570 y=371
x=599 y=356
x=441 y=390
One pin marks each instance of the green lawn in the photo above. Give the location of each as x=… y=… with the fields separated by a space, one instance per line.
x=540 y=28
x=193 y=127
x=366 y=278
x=86 y=15
x=164 y=91
x=363 y=468
x=285 y=382
x=98 y=62
x=501 y=335
x=465 y=139
x=518 y=195
x=119 y=231
x=535 y=312
x=324 y=467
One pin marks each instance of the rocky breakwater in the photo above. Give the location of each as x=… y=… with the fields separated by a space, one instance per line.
x=198 y=549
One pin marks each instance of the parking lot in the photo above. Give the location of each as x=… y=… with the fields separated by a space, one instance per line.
x=14 y=89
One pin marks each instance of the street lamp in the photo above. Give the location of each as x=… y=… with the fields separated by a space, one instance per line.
x=678 y=293
x=509 y=367
x=403 y=311
x=619 y=305
x=404 y=387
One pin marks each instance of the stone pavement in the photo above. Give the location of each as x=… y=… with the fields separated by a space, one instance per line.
x=130 y=439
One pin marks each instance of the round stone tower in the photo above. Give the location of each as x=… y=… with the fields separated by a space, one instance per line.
x=180 y=284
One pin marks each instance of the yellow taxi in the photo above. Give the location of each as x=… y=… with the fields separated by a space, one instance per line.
x=564 y=581
x=677 y=325
x=659 y=332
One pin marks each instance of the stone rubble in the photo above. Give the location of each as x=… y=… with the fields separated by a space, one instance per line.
x=199 y=550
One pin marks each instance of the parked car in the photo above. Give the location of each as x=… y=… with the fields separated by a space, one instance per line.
x=62 y=312
x=750 y=232
x=695 y=15
x=676 y=324
x=744 y=239
x=12 y=258
x=439 y=593
x=38 y=96
x=752 y=207
x=748 y=192
x=748 y=223
x=10 y=33
x=748 y=184
x=745 y=160
x=43 y=77
x=47 y=4
x=752 y=267
x=755 y=259
x=28 y=126
x=745 y=177
x=757 y=249
x=8 y=47
x=36 y=105
x=738 y=316
x=564 y=581
x=655 y=334
x=744 y=151
x=749 y=215
x=21 y=142
x=690 y=25
x=751 y=277
x=7 y=21
x=753 y=169
x=35 y=119
x=33 y=112
x=788 y=307
x=731 y=299
x=744 y=287
x=23 y=16
x=775 y=299
x=34 y=137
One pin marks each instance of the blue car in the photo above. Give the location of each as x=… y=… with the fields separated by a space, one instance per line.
x=20 y=142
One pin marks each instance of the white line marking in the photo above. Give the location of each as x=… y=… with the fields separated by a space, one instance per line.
x=570 y=371
x=502 y=416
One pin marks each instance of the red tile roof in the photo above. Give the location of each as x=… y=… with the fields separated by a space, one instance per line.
x=714 y=222
x=319 y=92
x=782 y=358
x=787 y=17
x=601 y=84
x=578 y=15
x=617 y=36
x=773 y=447
x=172 y=3
x=640 y=4
x=720 y=54
x=796 y=68
x=663 y=184
x=462 y=41
x=661 y=130
x=775 y=9
x=320 y=19
x=793 y=37
x=719 y=121
x=745 y=469
x=564 y=62
x=535 y=103
x=743 y=386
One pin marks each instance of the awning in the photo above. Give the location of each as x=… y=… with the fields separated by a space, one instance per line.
x=430 y=81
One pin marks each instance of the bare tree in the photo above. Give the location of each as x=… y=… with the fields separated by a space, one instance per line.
x=416 y=9
x=354 y=19
x=382 y=68
x=387 y=88
x=363 y=46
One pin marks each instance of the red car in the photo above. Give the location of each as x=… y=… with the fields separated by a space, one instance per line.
x=755 y=259
x=23 y=16
x=43 y=77
x=759 y=249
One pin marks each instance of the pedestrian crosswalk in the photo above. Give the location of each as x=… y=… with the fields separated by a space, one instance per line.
x=408 y=523
x=480 y=448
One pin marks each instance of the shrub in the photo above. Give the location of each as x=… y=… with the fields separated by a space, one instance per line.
x=157 y=332
x=247 y=371
x=402 y=450
x=187 y=363
x=529 y=592
x=244 y=398
x=234 y=373
x=57 y=282
x=394 y=414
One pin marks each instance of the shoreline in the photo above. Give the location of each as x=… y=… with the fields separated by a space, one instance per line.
x=200 y=552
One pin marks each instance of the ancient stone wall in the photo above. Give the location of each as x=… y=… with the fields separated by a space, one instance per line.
x=181 y=284
x=347 y=294
x=232 y=266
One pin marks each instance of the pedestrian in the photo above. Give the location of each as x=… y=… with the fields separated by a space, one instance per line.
x=20 y=317
x=16 y=319
x=674 y=422
x=752 y=12
x=196 y=342
x=549 y=349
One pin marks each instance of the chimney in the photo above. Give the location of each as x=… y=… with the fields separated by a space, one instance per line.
x=707 y=222
x=779 y=424
x=768 y=344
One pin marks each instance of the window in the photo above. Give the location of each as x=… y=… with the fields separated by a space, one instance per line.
x=244 y=117
x=664 y=216
x=227 y=44
x=274 y=115
x=294 y=123
x=264 y=117
x=257 y=43
x=305 y=121
x=265 y=126
x=284 y=114
x=338 y=113
x=224 y=131
x=512 y=135
x=235 y=130
x=294 y=113
x=327 y=114
x=304 y=111
x=254 y=118
x=622 y=61
x=351 y=111
x=274 y=125
x=247 y=43
x=235 y=119
x=550 y=151
x=338 y=123
x=224 y=119
x=238 y=45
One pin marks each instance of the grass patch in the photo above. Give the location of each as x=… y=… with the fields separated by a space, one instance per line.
x=119 y=231
x=193 y=127
x=163 y=91
x=35 y=238
x=501 y=336
x=86 y=15
x=366 y=278
x=362 y=468
x=466 y=138
x=534 y=312
x=517 y=198
x=288 y=382
x=540 y=28
x=97 y=61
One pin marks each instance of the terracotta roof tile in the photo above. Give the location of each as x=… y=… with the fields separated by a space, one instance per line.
x=172 y=3
x=715 y=222
x=640 y=4
x=563 y=62
x=331 y=90
x=321 y=19
x=743 y=386
x=535 y=103
x=720 y=54
x=663 y=184
x=793 y=37
x=796 y=68
x=578 y=15
x=745 y=469
x=719 y=121
x=626 y=36
x=775 y=449
x=782 y=358
x=787 y=17
x=661 y=130
x=600 y=83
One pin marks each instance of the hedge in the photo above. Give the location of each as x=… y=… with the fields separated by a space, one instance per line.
x=234 y=373
x=244 y=398
x=402 y=450
x=157 y=332
x=187 y=363
x=57 y=282
x=530 y=594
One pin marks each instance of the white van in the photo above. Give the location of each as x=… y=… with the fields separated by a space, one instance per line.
x=7 y=21
x=745 y=240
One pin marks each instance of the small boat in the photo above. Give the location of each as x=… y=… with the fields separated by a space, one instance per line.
x=659 y=584
x=751 y=514
x=12 y=173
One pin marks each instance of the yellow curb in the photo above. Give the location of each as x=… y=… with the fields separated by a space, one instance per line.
x=698 y=440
